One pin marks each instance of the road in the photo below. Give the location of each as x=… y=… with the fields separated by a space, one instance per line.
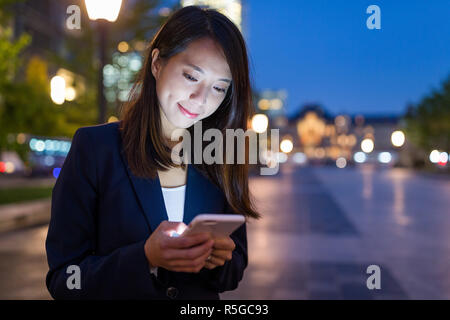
x=321 y=228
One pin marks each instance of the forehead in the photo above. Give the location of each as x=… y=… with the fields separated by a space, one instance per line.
x=207 y=55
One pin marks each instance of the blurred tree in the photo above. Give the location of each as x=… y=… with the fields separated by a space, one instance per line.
x=27 y=108
x=5 y=13
x=9 y=62
x=9 y=54
x=428 y=122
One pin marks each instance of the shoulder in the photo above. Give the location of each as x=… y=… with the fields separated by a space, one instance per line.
x=99 y=136
x=98 y=140
x=101 y=132
x=95 y=145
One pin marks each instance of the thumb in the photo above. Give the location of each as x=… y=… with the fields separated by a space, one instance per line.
x=177 y=227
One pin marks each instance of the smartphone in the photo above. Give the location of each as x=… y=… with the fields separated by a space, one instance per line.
x=220 y=225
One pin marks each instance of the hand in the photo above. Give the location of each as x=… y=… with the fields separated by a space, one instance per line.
x=222 y=252
x=180 y=254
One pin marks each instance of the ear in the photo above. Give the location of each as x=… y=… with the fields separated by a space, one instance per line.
x=156 y=65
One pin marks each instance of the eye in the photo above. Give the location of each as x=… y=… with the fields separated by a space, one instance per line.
x=187 y=76
x=220 y=89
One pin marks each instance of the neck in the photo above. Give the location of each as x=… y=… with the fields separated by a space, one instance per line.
x=168 y=129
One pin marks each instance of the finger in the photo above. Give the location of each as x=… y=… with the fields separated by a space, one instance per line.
x=187 y=241
x=216 y=261
x=188 y=254
x=209 y=265
x=223 y=254
x=190 y=265
x=224 y=243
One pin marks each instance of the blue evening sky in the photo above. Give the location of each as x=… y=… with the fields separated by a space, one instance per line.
x=321 y=51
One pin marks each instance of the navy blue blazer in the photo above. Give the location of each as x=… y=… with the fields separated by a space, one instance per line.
x=101 y=216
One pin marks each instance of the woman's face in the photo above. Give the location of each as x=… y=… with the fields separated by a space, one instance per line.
x=193 y=83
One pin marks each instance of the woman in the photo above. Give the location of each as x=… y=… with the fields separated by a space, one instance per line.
x=119 y=195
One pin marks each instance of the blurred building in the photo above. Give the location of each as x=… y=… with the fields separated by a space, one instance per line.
x=44 y=20
x=324 y=138
x=272 y=103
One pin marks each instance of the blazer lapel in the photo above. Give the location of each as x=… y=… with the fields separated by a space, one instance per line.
x=149 y=194
x=190 y=198
x=151 y=198
x=202 y=196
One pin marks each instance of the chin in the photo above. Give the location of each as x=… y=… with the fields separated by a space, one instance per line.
x=182 y=123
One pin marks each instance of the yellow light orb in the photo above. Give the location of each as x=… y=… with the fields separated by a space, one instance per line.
x=286 y=145
x=112 y=119
x=70 y=94
x=398 y=138
x=367 y=145
x=276 y=104
x=263 y=104
x=21 y=138
x=123 y=47
x=58 y=89
x=260 y=123
x=9 y=167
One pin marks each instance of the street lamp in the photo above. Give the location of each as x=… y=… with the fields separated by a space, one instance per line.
x=104 y=11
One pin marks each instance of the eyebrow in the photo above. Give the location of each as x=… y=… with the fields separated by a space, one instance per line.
x=200 y=70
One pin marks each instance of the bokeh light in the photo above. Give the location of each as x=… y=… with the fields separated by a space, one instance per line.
x=341 y=162
x=260 y=123
x=367 y=145
x=398 y=138
x=286 y=145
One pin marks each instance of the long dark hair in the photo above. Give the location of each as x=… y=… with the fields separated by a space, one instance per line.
x=144 y=144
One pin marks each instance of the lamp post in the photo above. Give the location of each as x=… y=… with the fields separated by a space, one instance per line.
x=104 y=11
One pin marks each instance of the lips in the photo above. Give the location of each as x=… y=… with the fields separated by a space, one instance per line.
x=188 y=114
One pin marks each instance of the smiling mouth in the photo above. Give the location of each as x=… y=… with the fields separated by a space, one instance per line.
x=187 y=113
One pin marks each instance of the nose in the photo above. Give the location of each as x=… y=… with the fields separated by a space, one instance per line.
x=200 y=95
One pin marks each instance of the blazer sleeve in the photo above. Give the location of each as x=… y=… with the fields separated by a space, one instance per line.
x=228 y=276
x=124 y=273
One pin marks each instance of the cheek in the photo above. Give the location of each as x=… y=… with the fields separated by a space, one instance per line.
x=170 y=88
x=168 y=95
x=213 y=108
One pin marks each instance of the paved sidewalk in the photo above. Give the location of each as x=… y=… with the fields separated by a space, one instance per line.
x=323 y=226
x=17 y=182
x=19 y=215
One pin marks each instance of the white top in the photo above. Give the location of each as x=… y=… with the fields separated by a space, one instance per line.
x=174 y=202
